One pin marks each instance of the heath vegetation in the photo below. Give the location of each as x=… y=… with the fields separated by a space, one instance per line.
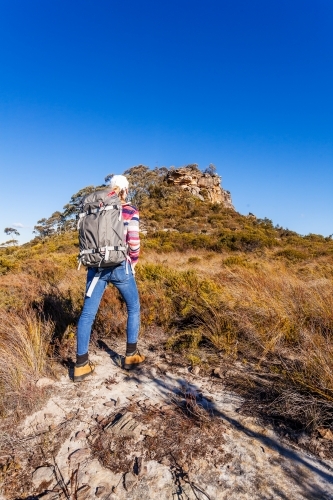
x=229 y=291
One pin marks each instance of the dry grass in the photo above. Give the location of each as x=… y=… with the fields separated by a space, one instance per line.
x=175 y=434
x=269 y=306
x=24 y=343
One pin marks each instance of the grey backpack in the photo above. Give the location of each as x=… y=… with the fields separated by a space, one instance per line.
x=101 y=231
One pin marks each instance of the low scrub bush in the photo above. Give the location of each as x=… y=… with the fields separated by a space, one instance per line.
x=292 y=254
x=236 y=260
x=269 y=304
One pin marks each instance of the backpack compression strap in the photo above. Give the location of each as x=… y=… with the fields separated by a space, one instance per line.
x=105 y=251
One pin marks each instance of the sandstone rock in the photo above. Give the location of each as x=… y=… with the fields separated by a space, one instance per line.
x=163 y=367
x=83 y=493
x=100 y=490
x=126 y=425
x=202 y=185
x=217 y=372
x=44 y=382
x=109 y=404
x=43 y=477
x=78 y=457
x=326 y=434
x=130 y=481
x=196 y=370
x=80 y=435
x=149 y=432
x=70 y=415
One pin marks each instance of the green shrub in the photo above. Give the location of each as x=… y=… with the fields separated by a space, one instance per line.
x=292 y=254
x=193 y=260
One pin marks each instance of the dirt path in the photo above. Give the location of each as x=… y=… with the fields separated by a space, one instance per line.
x=155 y=434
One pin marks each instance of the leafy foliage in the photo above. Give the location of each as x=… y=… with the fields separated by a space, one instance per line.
x=11 y=230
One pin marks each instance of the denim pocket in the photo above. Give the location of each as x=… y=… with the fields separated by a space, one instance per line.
x=119 y=273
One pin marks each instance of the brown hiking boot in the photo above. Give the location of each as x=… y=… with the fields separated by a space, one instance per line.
x=81 y=372
x=134 y=361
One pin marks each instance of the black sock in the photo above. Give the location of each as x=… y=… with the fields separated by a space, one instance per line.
x=81 y=359
x=130 y=348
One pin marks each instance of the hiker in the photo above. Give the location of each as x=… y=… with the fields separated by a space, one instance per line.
x=122 y=277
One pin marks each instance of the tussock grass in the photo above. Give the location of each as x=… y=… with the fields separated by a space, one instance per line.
x=24 y=344
x=274 y=313
x=269 y=316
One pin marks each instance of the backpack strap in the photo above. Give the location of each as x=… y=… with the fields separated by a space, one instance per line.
x=93 y=282
x=102 y=250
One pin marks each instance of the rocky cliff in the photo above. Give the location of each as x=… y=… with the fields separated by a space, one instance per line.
x=206 y=186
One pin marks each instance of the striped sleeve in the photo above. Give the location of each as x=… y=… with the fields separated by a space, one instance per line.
x=131 y=223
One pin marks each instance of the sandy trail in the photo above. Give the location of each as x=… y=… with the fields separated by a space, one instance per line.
x=63 y=446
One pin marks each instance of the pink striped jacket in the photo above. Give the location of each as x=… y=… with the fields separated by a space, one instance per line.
x=131 y=223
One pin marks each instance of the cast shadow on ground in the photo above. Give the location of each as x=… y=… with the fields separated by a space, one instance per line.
x=166 y=385
x=117 y=359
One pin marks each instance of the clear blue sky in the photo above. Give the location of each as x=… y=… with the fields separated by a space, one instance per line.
x=89 y=87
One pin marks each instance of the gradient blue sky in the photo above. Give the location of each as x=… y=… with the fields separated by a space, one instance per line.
x=89 y=87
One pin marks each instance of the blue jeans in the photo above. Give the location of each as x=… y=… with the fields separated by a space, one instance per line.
x=127 y=287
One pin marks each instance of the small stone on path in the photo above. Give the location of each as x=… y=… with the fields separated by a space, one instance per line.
x=83 y=493
x=326 y=434
x=130 y=481
x=100 y=490
x=44 y=382
x=217 y=373
x=43 y=476
x=80 y=435
x=78 y=456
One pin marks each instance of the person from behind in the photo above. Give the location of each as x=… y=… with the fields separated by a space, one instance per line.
x=122 y=277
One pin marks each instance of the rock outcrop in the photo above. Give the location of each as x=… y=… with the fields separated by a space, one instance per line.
x=205 y=186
